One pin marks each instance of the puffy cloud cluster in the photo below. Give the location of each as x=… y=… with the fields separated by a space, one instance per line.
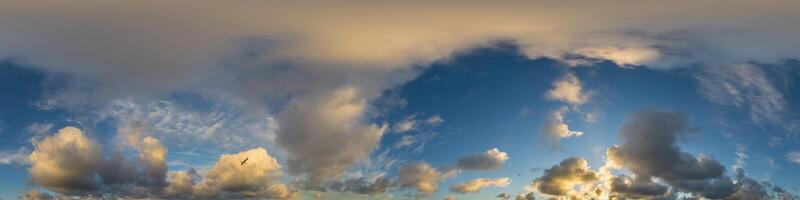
x=72 y=164
x=659 y=168
x=233 y=177
x=489 y=160
x=475 y=185
x=69 y=163
x=560 y=179
x=423 y=177
x=66 y=162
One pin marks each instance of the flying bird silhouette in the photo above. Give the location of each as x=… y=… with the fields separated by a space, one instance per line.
x=244 y=161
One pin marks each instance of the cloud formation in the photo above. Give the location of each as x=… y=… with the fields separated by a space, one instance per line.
x=560 y=179
x=332 y=124
x=66 y=162
x=489 y=160
x=555 y=128
x=746 y=87
x=793 y=157
x=298 y=67
x=649 y=150
x=528 y=196
x=423 y=177
x=568 y=89
x=74 y=165
x=475 y=185
x=230 y=178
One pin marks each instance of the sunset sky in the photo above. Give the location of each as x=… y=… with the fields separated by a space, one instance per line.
x=467 y=100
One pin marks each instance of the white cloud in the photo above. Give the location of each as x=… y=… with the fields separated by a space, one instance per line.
x=793 y=157
x=65 y=162
x=475 y=185
x=423 y=177
x=225 y=125
x=489 y=160
x=555 y=127
x=568 y=89
x=560 y=179
x=406 y=125
x=434 y=120
x=19 y=156
x=746 y=87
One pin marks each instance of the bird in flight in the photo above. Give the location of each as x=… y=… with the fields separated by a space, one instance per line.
x=244 y=161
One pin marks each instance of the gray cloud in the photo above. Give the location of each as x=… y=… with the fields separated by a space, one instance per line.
x=637 y=187
x=528 y=196
x=489 y=160
x=332 y=124
x=650 y=151
x=362 y=185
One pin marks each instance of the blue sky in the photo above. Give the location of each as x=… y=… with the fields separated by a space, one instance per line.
x=399 y=101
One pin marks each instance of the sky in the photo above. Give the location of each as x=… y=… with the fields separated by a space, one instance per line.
x=400 y=100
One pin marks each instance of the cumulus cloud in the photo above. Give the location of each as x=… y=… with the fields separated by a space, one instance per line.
x=560 y=179
x=423 y=177
x=254 y=178
x=229 y=177
x=332 y=124
x=650 y=150
x=66 y=162
x=475 y=185
x=489 y=160
x=73 y=164
x=528 y=196
x=451 y=197
x=568 y=89
x=555 y=128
